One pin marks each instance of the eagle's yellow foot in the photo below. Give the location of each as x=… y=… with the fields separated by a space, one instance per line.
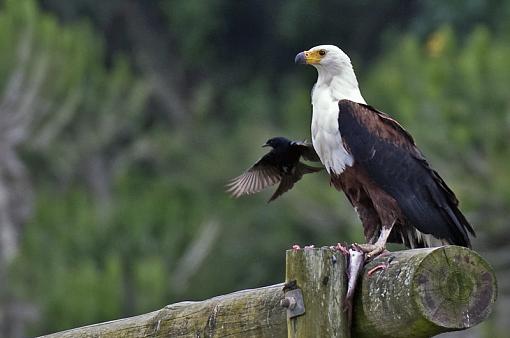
x=372 y=250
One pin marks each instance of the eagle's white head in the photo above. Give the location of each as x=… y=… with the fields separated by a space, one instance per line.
x=335 y=71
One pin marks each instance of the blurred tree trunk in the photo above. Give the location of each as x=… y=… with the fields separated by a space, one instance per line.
x=55 y=79
x=99 y=180
x=15 y=204
x=152 y=52
x=16 y=112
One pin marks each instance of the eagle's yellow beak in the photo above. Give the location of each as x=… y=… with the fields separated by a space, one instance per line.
x=308 y=57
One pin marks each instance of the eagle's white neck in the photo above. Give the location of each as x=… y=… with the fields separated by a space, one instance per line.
x=333 y=85
x=341 y=83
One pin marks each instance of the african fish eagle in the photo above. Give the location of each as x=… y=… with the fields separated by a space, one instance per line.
x=376 y=163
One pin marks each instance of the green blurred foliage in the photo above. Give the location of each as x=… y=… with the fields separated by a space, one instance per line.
x=153 y=106
x=453 y=98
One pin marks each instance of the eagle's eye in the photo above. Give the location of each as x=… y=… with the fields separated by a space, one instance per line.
x=322 y=52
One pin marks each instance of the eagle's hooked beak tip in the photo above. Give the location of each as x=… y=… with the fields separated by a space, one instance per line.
x=300 y=58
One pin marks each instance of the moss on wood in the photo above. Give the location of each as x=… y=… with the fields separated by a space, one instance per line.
x=424 y=292
x=320 y=274
x=421 y=293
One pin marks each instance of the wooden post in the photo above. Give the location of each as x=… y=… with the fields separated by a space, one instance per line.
x=424 y=292
x=320 y=274
x=419 y=294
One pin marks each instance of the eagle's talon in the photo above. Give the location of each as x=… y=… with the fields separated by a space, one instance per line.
x=376 y=268
x=372 y=250
x=339 y=247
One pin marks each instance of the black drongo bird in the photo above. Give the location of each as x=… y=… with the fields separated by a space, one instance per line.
x=281 y=164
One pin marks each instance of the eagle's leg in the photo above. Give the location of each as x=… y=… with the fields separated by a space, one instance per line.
x=373 y=250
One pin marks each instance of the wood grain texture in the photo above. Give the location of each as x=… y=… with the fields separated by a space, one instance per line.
x=424 y=292
x=320 y=274
x=248 y=313
x=421 y=293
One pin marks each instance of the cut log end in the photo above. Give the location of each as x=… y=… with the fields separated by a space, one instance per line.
x=424 y=292
x=419 y=294
x=454 y=288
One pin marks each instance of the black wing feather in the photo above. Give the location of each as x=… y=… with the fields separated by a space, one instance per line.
x=268 y=171
x=258 y=177
x=399 y=168
x=288 y=180
x=307 y=151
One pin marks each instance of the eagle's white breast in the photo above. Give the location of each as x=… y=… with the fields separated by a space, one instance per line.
x=326 y=137
x=336 y=81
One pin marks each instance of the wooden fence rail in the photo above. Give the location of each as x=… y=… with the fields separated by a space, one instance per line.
x=420 y=293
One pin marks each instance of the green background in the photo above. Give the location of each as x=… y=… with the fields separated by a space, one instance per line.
x=122 y=120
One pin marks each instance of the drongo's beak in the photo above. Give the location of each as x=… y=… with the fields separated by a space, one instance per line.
x=265 y=145
x=300 y=58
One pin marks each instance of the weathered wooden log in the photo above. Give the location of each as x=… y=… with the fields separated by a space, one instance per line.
x=248 y=313
x=420 y=293
x=424 y=292
x=320 y=274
